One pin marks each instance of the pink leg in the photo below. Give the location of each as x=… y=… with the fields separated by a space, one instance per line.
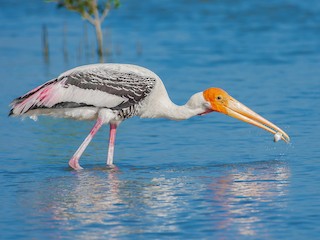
x=74 y=161
x=112 y=138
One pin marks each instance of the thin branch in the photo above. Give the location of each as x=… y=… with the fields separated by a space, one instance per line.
x=105 y=12
x=84 y=14
x=87 y=16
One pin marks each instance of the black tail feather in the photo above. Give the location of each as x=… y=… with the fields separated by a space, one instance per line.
x=10 y=113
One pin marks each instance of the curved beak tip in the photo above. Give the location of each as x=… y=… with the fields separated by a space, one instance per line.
x=279 y=136
x=239 y=111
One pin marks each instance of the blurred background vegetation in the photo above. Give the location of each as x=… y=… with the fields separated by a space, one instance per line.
x=93 y=11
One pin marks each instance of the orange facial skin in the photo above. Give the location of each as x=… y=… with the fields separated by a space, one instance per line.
x=218 y=99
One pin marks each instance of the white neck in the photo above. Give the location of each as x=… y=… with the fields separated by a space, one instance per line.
x=165 y=108
x=175 y=112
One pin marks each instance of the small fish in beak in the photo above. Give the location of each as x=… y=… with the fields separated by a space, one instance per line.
x=277 y=137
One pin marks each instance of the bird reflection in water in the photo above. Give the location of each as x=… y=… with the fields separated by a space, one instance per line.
x=240 y=198
x=89 y=200
x=99 y=200
x=248 y=195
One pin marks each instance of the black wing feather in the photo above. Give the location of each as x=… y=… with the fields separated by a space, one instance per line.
x=130 y=86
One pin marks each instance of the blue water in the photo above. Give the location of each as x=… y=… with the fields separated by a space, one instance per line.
x=210 y=177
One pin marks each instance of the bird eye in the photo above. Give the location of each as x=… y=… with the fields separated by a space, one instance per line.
x=219 y=98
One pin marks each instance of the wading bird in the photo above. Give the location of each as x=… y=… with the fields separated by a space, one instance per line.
x=111 y=93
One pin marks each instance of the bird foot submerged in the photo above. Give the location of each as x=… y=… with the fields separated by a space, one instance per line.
x=111 y=166
x=74 y=163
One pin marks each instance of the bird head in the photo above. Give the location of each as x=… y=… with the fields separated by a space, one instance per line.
x=219 y=100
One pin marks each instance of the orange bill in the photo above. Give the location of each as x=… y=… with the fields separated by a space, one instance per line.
x=222 y=102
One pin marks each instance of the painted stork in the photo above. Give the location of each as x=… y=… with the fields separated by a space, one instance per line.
x=111 y=93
